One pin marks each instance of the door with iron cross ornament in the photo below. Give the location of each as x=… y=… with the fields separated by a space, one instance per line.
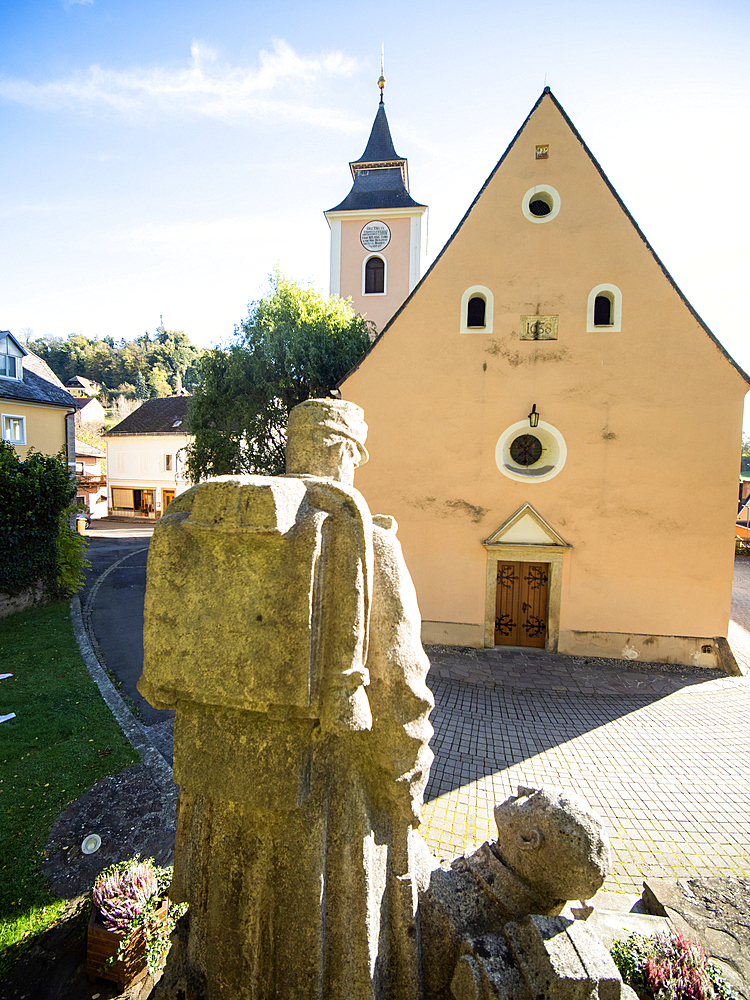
x=521 y=607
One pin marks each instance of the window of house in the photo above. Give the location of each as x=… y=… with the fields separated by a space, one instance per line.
x=120 y=461
x=14 y=429
x=475 y=311
x=10 y=359
x=143 y=461
x=604 y=309
x=375 y=276
x=167 y=463
x=477 y=304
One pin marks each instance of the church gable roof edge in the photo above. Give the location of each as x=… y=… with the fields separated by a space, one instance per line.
x=548 y=92
x=639 y=231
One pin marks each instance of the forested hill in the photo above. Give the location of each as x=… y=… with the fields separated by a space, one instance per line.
x=144 y=367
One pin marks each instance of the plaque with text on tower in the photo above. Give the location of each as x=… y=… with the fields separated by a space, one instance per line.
x=375 y=236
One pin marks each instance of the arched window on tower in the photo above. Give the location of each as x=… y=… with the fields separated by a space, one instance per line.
x=375 y=276
x=475 y=311
x=603 y=310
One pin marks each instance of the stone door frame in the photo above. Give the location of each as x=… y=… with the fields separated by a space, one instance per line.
x=507 y=552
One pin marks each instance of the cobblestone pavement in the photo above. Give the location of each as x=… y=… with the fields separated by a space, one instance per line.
x=659 y=751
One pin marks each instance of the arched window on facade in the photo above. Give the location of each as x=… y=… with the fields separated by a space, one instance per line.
x=604 y=309
x=475 y=312
x=375 y=276
x=477 y=303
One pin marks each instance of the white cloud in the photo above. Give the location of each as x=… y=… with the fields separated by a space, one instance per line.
x=202 y=88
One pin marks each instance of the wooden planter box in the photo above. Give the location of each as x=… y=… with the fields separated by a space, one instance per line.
x=104 y=944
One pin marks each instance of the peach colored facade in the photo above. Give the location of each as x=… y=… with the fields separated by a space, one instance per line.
x=637 y=422
x=403 y=258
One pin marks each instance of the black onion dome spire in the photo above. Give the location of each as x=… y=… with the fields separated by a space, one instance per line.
x=381 y=178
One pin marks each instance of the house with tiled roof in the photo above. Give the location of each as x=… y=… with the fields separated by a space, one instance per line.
x=82 y=387
x=36 y=411
x=534 y=407
x=378 y=232
x=146 y=458
x=91 y=481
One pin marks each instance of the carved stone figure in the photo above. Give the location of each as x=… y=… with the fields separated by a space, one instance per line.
x=490 y=922
x=282 y=625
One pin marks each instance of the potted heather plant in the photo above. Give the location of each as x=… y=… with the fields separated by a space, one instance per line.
x=131 y=921
x=669 y=966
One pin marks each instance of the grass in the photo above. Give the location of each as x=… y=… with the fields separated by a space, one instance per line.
x=61 y=743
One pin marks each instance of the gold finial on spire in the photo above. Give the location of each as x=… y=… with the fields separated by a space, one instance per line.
x=381 y=81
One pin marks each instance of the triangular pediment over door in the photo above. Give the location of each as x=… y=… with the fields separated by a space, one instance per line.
x=526 y=537
x=526 y=527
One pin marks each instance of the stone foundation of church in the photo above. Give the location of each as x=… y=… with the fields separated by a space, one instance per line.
x=694 y=651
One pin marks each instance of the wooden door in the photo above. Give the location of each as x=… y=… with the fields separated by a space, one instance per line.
x=166 y=498
x=521 y=605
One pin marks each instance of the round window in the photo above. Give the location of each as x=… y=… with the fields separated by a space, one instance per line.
x=541 y=203
x=530 y=457
x=526 y=449
x=539 y=207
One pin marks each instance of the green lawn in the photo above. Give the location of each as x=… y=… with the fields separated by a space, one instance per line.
x=61 y=743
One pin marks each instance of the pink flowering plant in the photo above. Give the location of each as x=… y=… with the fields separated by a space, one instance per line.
x=127 y=896
x=669 y=967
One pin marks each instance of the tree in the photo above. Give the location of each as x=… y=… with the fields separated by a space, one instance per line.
x=142 y=390
x=294 y=345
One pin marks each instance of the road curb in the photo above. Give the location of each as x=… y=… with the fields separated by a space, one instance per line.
x=133 y=731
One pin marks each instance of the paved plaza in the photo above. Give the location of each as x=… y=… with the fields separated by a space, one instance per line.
x=662 y=756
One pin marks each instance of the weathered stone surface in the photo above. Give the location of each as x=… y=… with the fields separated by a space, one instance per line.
x=282 y=625
x=713 y=911
x=550 y=848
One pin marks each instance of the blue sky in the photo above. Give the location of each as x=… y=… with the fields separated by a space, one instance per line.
x=160 y=157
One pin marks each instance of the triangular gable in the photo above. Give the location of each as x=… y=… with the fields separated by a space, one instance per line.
x=547 y=93
x=17 y=349
x=526 y=527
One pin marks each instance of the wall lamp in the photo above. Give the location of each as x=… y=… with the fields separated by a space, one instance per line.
x=533 y=417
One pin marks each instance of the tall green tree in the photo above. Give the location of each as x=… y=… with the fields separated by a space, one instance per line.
x=294 y=345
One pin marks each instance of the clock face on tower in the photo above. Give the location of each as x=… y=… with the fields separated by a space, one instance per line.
x=375 y=236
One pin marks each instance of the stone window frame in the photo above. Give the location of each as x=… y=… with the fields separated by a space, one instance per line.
x=533 y=194
x=554 y=454
x=477 y=291
x=613 y=293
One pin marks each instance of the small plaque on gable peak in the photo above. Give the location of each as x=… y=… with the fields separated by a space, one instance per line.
x=539 y=327
x=542 y=152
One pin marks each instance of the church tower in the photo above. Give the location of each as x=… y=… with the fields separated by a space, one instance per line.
x=378 y=232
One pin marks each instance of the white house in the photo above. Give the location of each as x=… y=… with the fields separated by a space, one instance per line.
x=146 y=458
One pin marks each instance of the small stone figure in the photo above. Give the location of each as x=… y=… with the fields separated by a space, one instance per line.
x=490 y=921
x=282 y=625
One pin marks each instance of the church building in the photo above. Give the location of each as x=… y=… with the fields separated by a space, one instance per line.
x=378 y=232
x=555 y=429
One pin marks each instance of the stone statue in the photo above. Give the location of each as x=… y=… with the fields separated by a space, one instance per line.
x=490 y=922
x=282 y=626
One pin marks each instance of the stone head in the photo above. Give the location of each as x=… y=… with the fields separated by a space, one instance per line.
x=554 y=842
x=326 y=437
